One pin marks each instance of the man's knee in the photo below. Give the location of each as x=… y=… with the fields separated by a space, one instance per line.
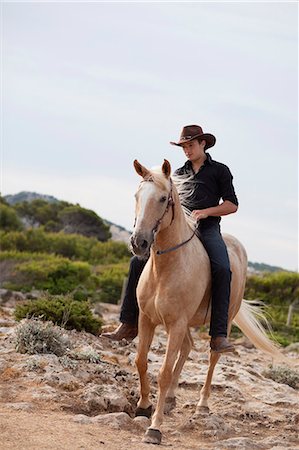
x=221 y=271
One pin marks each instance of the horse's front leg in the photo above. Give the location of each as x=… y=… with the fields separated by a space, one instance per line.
x=176 y=335
x=145 y=334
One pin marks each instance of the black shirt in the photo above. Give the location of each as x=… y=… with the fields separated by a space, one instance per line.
x=211 y=183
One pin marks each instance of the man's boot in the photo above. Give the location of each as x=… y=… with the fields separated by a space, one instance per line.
x=220 y=344
x=126 y=331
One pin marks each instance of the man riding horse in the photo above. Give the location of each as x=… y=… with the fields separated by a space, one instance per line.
x=212 y=182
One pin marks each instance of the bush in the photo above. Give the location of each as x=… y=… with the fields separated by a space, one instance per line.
x=71 y=246
x=111 y=280
x=33 y=336
x=61 y=310
x=9 y=219
x=84 y=221
x=275 y=288
x=283 y=375
x=46 y=272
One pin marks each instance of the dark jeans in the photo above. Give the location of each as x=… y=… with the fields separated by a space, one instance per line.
x=211 y=239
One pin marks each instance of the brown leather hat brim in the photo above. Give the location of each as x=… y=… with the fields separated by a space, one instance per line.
x=209 y=138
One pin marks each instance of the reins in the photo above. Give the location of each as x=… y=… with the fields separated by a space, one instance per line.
x=161 y=252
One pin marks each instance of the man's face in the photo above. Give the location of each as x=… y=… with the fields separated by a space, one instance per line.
x=194 y=150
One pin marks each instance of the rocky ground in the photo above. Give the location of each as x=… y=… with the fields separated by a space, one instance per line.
x=85 y=399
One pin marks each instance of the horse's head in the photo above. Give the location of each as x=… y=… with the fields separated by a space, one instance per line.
x=154 y=206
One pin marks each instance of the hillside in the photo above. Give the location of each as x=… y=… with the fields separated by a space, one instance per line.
x=117 y=232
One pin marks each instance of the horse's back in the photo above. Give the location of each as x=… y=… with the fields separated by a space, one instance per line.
x=237 y=254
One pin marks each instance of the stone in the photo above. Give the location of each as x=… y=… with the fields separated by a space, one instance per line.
x=21 y=406
x=81 y=418
x=105 y=398
x=10 y=298
x=64 y=380
x=118 y=420
x=238 y=443
x=142 y=422
x=45 y=393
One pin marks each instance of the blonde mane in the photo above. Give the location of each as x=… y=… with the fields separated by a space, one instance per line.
x=185 y=186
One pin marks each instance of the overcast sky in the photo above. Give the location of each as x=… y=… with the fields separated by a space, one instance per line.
x=89 y=87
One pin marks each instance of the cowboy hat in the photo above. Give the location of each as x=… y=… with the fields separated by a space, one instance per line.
x=191 y=132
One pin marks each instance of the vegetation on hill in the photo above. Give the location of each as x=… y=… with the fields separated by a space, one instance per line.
x=64 y=250
x=73 y=246
x=278 y=291
x=53 y=216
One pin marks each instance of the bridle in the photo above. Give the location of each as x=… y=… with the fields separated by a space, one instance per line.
x=170 y=203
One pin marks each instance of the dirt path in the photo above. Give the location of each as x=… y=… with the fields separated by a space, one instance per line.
x=50 y=402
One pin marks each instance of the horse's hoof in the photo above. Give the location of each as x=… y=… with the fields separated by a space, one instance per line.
x=200 y=410
x=152 y=436
x=147 y=412
x=170 y=404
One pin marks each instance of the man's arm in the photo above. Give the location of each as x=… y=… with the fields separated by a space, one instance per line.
x=223 y=209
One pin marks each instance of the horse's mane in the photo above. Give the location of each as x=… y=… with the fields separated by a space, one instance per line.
x=184 y=185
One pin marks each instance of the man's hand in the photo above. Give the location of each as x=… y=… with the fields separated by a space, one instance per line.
x=223 y=209
x=199 y=214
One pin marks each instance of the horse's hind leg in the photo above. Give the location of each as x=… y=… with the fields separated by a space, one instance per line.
x=184 y=352
x=145 y=334
x=206 y=389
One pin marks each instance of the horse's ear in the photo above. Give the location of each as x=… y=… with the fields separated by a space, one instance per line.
x=141 y=170
x=166 y=168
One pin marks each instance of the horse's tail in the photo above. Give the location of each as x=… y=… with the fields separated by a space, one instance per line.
x=249 y=320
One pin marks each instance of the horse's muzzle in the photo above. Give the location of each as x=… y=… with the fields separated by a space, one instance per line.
x=140 y=244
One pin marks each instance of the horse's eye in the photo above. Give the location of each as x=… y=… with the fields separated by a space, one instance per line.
x=163 y=199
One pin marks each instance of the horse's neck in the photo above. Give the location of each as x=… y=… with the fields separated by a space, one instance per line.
x=177 y=231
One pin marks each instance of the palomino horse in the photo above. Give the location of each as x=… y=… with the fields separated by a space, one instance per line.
x=175 y=288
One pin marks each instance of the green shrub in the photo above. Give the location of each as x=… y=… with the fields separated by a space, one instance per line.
x=71 y=246
x=284 y=375
x=58 y=276
x=280 y=288
x=33 y=336
x=111 y=280
x=61 y=310
x=46 y=272
x=277 y=290
x=9 y=219
x=110 y=252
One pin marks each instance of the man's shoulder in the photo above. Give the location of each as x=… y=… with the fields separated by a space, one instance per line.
x=221 y=166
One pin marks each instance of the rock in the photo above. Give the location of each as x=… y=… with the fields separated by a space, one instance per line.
x=273 y=441
x=10 y=298
x=239 y=443
x=81 y=418
x=21 y=406
x=244 y=341
x=64 y=380
x=142 y=422
x=292 y=348
x=119 y=420
x=105 y=398
x=45 y=393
